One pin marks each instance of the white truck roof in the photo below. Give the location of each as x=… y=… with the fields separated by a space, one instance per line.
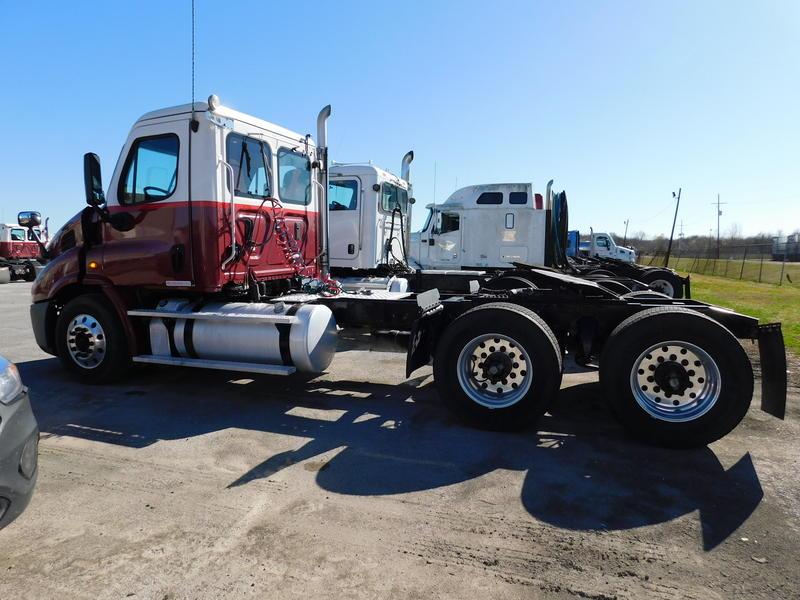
x=355 y=169
x=467 y=197
x=226 y=112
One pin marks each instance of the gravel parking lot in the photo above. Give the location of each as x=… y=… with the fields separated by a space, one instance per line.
x=358 y=484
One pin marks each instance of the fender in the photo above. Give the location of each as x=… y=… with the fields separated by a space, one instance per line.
x=121 y=306
x=69 y=287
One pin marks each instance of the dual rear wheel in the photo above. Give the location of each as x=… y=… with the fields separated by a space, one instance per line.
x=672 y=376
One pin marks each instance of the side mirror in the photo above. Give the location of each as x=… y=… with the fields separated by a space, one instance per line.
x=93 y=180
x=29 y=219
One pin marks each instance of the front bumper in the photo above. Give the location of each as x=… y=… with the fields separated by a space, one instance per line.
x=18 y=428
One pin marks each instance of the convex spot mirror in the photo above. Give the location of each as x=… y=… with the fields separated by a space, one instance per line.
x=29 y=218
x=412 y=200
x=93 y=180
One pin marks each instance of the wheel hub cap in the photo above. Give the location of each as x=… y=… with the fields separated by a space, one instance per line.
x=86 y=341
x=494 y=370
x=675 y=381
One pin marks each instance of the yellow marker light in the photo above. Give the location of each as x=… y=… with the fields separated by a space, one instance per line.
x=93 y=264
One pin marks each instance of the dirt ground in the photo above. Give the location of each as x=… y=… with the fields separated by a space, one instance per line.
x=358 y=484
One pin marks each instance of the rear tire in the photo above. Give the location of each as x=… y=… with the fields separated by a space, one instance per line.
x=498 y=366
x=665 y=282
x=90 y=340
x=689 y=395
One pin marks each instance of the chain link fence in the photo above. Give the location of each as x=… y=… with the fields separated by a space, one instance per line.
x=762 y=263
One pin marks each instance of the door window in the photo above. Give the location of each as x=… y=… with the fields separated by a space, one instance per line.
x=250 y=159
x=602 y=242
x=343 y=195
x=294 y=172
x=151 y=170
x=17 y=235
x=449 y=222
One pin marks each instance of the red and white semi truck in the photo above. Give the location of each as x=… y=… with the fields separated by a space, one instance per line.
x=209 y=248
x=20 y=252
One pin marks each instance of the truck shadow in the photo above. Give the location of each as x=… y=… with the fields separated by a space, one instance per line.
x=581 y=472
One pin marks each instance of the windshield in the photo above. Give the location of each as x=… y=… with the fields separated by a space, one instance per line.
x=393 y=197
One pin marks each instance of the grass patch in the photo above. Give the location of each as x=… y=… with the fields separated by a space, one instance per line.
x=762 y=271
x=769 y=303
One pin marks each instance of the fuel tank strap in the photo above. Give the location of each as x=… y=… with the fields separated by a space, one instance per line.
x=283 y=336
x=188 y=340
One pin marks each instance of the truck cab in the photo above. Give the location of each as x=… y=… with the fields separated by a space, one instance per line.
x=203 y=199
x=483 y=226
x=20 y=252
x=602 y=245
x=369 y=210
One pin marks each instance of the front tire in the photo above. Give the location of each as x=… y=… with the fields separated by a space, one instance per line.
x=498 y=366
x=90 y=340
x=676 y=378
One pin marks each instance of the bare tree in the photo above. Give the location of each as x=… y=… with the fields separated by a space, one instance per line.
x=735 y=231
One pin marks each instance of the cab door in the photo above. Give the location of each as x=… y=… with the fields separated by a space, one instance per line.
x=151 y=184
x=344 y=220
x=445 y=251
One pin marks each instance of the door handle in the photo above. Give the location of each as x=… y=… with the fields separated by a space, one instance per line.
x=178 y=253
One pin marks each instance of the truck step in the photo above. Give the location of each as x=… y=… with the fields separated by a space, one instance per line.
x=215 y=316
x=220 y=365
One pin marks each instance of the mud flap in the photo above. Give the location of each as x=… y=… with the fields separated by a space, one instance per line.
x=773 y=369
x=421 y=344
x=687 y=287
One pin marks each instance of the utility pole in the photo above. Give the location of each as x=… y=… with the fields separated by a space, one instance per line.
x=674 y=218
x=625 y=237
x=719 y=214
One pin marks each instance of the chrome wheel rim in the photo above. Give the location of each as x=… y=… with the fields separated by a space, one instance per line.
x=663 y=286
x=675 y=381
x=86 y=341
x=494 y=370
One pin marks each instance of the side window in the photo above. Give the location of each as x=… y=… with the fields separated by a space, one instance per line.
x=17 y=235
x=343 y=195
x=518 y=198
x=449 y=222
x=427 y=220
x=602 y=242
x=151 y=170
x=490 y=198
x=250 y=159
x=294 y=172
x=393 y=197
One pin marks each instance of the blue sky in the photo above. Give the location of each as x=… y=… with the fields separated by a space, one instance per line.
x=619 y=102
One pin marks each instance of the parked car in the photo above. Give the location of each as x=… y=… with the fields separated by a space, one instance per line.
x=19 y=444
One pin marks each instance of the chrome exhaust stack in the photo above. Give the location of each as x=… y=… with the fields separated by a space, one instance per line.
x=322 y=150
x=405 y=168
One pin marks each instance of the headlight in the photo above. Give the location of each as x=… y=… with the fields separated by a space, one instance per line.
x=10 y=382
